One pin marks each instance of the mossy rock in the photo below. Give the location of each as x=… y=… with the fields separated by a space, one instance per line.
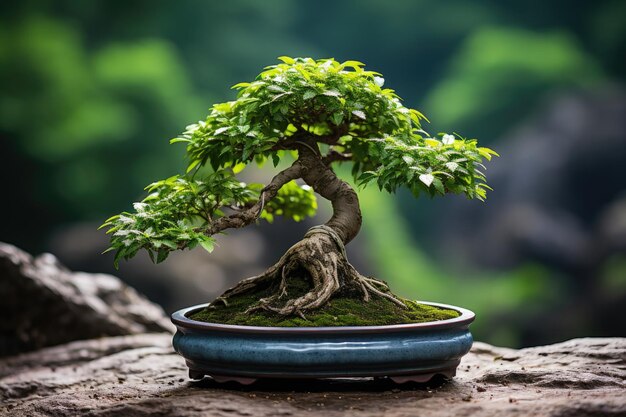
x=347 y=308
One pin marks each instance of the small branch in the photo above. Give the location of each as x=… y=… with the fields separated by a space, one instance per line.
x=292 y=142
x=333 y=137
x=310 y=147
x=248 y=215
x=334 y=156
x=284 y=145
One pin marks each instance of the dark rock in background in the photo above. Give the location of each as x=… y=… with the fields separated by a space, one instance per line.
x=558 y=179
x=45 y=304
x=559 y=204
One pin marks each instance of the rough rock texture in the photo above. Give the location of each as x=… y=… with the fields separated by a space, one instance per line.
x=140 y=375
x=44 y=304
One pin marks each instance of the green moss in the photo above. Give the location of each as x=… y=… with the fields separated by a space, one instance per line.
x=345 y=309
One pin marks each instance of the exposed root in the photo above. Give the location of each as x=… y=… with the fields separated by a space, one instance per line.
x=369 y=284
x=322 y=255
x=386 y=295
x=246 y=285
x=375 y=282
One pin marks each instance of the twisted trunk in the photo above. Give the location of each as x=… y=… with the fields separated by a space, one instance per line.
x=346 y=219
x=321 y=253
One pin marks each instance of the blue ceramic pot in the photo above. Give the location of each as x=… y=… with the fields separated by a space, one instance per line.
x=403 y=352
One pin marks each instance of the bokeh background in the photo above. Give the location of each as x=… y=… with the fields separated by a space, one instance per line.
x=91 y=92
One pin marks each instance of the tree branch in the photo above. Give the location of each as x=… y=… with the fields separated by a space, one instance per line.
x=303 y=135
x=332 y=139
x=249 y=215
x=334 y=156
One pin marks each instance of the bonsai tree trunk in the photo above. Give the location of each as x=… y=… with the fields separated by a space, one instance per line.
x=321 y=253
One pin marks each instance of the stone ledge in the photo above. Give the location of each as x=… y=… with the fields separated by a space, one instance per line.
x=126 y=365
x=140 y=375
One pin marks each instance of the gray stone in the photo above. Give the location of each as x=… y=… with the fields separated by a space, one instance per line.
x=140 y=375
x=559 y=178
x=558 y=209
x=45 y=304
x=136 y=373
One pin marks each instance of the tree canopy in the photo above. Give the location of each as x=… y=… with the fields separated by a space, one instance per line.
x=340 y=110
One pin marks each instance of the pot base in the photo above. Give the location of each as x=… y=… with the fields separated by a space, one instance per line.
x=198 y=372
x=398 y=379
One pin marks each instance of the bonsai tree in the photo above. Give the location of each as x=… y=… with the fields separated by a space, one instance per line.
x=311 y=114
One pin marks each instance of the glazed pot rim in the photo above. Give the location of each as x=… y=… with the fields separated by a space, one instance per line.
x=182 y=321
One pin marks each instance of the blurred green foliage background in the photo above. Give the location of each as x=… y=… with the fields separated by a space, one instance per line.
x=90 y=93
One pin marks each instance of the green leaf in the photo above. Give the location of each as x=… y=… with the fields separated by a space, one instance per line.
x=176 y=140
x=331 y=93
x=337 y=118
x=487 y=153
x=208 y=245
x=162 y=255
x=192 y=165
x=239 y=167
x=118 y=255
x=359 y=113
x=438 y=185
x=170 y=244
x=352 y=64
x=275 y=159
x=240 y=85
x=277 y=89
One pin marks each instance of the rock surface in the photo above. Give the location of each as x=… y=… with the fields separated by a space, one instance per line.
x=133 y=371
x=139 y=375
x=45 y=304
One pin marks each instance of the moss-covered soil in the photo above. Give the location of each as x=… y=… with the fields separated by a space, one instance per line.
x=345 y=309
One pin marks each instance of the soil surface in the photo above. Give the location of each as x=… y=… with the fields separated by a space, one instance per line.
x=345 y=308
